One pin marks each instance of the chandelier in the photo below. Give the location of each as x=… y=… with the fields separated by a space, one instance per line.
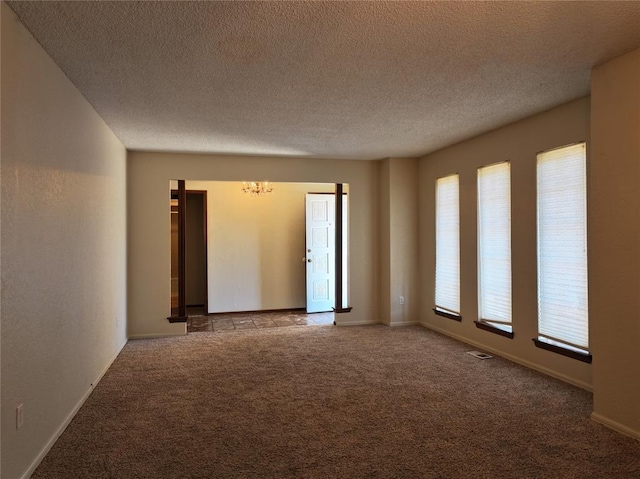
x=257 y=188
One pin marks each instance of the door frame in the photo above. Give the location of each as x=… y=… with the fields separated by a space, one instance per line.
x=341 y=252
x=181 y=194
x=326 y=252
x=205 y=226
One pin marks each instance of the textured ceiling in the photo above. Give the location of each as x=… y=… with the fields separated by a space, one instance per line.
x=325 y=79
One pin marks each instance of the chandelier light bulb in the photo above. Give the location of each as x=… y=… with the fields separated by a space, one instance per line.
x=257 y=188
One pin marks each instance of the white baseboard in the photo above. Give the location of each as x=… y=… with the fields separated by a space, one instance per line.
x=153 y=336
x=52 y=440
x=403 y=323
x=515 y=359
x=616 y=426
x=355 y=323
x=366 y=323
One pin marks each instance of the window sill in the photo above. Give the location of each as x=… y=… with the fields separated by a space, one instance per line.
x=493 y=329
x=447 y=314
x=584 y=357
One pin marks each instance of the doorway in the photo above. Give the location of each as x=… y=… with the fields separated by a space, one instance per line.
x=255 y=245
x=320 y=242
x=195 y=253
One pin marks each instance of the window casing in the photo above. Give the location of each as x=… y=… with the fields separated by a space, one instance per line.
x=494 y=248
x=447 y=288
x=563 y=323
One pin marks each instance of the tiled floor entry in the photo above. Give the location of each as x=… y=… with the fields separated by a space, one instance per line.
x=227 y=322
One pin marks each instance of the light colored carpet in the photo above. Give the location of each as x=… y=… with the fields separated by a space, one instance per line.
x=327 y=402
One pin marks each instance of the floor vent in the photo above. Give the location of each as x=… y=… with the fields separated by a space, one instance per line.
x=479 y=355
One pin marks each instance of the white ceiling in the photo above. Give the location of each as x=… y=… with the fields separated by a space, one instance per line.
x=325 y=79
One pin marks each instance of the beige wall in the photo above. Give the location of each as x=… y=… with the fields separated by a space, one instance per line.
x=64 y=213
x=614 y=242
x=518 y=142
x=256 y=245
x=384 y=233
x=63 y=245
x=399 y=240
x=148 y=219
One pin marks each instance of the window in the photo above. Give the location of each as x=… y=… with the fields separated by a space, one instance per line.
x=448 y=247
x=494 y=249
x=563 y=324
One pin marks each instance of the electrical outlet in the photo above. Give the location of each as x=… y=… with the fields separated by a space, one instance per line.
x=19 y=416
x=401 y=299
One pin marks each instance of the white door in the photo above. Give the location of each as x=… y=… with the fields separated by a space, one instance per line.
x=320 y=252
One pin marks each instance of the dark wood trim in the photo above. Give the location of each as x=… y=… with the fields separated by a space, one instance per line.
x=182 y=249
x=174 y=210
x=205 y=225
x=177 y=319
x=446 y=314
x=493 y=329
x=343 y=310
x=584 y=357
x=338 y=252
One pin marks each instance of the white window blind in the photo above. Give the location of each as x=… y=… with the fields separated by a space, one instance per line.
x=562 y=247
x=448 y=244
x=494 y=245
